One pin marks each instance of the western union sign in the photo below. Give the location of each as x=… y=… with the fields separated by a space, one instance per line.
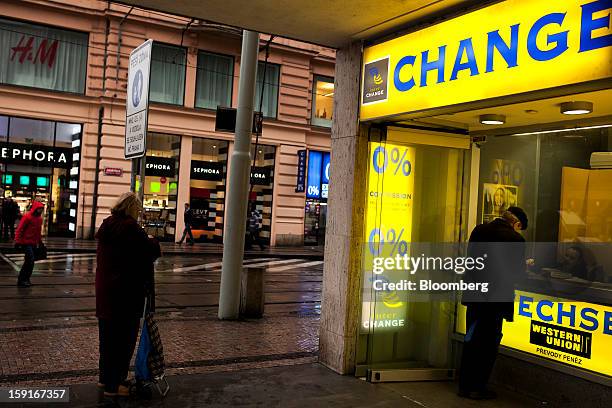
x=511 y=47
x=571 y=332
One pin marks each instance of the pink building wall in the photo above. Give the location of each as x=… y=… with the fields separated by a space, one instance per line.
x=290 y=132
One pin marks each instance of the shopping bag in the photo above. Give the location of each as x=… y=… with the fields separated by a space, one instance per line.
x=40 y=252
x=149 y=365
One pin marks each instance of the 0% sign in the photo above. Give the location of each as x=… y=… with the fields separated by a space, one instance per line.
x=379 y=237
x=393 y=159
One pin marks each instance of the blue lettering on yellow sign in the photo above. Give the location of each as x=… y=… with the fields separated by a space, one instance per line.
x=555 y=44
x=565 y=313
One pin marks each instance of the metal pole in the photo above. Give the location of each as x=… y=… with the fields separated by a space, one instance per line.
x=238 y=189
x=142 y=179
x=94 y=199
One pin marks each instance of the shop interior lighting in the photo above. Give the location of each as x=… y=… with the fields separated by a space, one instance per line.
x=562 y=130
x=576 y=108
x=492 y=119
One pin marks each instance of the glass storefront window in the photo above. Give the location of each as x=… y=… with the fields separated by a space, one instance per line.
x=215 y=80
x=269 y=106
x=161 y=185
x=322 y=101
x=207 y=188
x=43 y=165
x=262 y=181
x=3 y=128
x=32 y=131
x=567 y=200
x=42 y=57
x=168 y=65
x=418 y=200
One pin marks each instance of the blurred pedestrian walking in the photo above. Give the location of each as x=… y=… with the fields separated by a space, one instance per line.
x=28 y=237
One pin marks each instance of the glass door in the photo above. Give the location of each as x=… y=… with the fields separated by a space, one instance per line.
x=416 y=199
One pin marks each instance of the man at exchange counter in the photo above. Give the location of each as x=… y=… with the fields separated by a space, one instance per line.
x=503 y=246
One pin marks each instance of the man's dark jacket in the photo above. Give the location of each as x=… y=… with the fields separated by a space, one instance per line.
x=124 y=273
x=188 y=217
x=504 y=251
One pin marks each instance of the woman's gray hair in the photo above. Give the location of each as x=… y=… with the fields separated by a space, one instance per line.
x=127 y=204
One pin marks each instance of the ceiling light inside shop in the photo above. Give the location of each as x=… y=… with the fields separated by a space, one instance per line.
x=576 y=108
x=492 y=119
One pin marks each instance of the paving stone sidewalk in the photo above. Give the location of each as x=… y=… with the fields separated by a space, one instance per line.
x=65 y=350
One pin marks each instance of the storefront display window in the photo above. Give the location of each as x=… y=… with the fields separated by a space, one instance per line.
x=161 y=185
x=42 y=57
x=322 y=101
x=563 y=180
x=262 y=185
x=41 y=163
x=415 y=195
x=215 y=80
x=207 y=188
x=317 y=188
x=550 y=175
x=168 y=65
x=269 y=106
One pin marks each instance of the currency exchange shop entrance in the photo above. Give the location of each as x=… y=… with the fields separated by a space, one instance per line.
x=417 y=194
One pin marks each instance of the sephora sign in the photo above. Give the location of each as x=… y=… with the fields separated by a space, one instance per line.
x=37 y=155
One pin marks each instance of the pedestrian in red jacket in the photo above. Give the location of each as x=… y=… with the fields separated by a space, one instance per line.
x=124 y=277
x=28 y=237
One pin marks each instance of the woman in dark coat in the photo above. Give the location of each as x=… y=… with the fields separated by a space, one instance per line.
x=124 y=277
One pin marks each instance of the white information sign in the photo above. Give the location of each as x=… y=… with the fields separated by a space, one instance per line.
x=137 y=103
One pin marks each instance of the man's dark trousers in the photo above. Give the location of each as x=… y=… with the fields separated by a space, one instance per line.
x=28 y=264
x=484 y=332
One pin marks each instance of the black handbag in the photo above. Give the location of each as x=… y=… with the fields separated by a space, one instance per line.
x=40 y=252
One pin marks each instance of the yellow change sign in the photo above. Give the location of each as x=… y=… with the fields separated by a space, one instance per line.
x=575 y=333
x=388 y=229
x=511 y=47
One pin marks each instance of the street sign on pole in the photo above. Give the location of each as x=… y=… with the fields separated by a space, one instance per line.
x=137 y=102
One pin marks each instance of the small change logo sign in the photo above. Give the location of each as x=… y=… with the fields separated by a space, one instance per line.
x=375 y=81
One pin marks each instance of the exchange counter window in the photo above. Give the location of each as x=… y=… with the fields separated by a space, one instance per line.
x=42 y=57
x=168 y=65
x=564 y=182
